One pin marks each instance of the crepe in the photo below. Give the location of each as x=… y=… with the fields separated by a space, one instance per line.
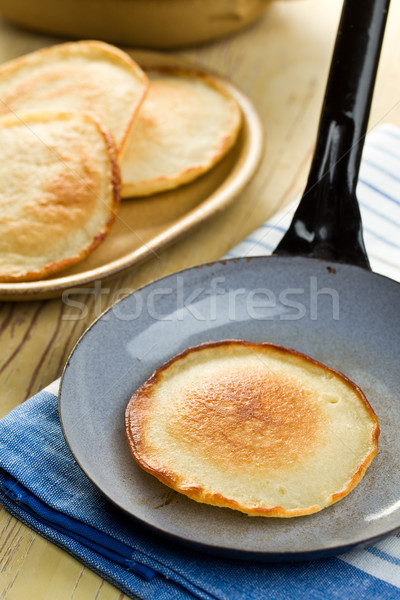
x=186 y=124
x=85 y=76
x=59 y=192
x=258 y=428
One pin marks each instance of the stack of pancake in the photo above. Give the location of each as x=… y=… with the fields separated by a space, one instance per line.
x=81 y=125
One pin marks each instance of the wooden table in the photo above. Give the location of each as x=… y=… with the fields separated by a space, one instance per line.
x=281 y=62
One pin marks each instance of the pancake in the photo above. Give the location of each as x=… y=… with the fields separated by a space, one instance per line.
x=85 y=76
x=258 y=428
x=186 y=124
x=59 y=192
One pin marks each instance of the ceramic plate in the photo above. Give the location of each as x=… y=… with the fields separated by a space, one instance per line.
x=334 y=313
x=143 y=226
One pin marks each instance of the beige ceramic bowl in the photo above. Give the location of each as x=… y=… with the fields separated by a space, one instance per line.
x=146 y=23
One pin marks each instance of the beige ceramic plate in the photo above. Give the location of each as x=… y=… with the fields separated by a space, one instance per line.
x=143 y=226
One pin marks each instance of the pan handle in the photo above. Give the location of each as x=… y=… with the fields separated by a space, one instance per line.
x=327 y=223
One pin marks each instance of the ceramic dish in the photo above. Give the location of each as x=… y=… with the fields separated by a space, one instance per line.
x=144 y=226
x=125 y=345
x=146 y=23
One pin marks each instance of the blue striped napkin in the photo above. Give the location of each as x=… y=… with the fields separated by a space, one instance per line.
x=41 y=484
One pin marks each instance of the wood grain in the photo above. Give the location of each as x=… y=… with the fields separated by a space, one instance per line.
x=281 y=62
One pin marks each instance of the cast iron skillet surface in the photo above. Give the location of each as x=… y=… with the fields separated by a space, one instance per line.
x=325 y=302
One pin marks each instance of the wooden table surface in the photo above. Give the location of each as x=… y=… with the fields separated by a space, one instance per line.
x=281 y=62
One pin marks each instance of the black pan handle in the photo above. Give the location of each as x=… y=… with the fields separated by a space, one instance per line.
x=327 y=223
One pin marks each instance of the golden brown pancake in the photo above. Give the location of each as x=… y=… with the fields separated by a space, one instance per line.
x=258 y=428
x=59 y=192
x=86 y=76
x=186 y=124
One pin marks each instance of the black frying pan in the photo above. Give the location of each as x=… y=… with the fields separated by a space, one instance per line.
x=317 y=294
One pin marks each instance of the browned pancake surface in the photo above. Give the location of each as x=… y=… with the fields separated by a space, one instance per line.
x=252 y=416
x=85 y=76
x=186 y=124
x=59 y=192
x=255 y=427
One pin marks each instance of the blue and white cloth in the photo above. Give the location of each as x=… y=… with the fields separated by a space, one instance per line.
x=41 y=484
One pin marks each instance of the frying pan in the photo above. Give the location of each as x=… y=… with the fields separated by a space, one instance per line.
x=316 y=294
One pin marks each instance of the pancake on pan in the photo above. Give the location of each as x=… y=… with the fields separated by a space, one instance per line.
x=59 y=192
x=86 y=76
x=186 y=124
x=254 y=427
